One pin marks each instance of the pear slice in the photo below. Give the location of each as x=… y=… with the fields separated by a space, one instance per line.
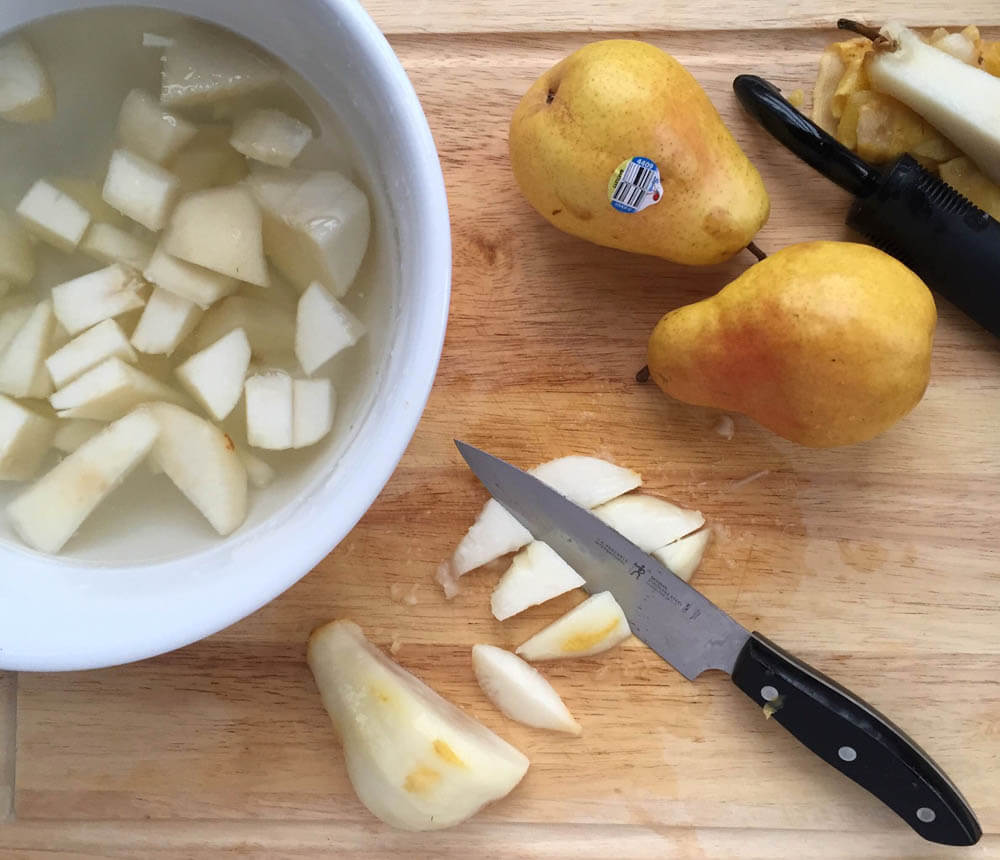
x=520 y=691
x=107 y=243
x=104 y=340
x=323 y=327
x=89 y=299
x=271 y=137
x=269 y=327
x=415 y=760
x=11 y=321
x=146 y=129
x=959 y=100
x=536 y=574
x=25 y=437
x=594 y=626
x=73 y=432
x=166 y=320
x=195 y=283
x=140 y=189
x=214 y=377
x=208 y=161
x=53 y=216
x=108 y=391
x=49 y=513
x=22 y=362
x=25 y=91
x=17 y=258
x=313 y=402
x=647 y=521
x=683 y=556
x=202 y=461
x=270 y=411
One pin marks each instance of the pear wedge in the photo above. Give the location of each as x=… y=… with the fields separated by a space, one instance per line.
x=647 y=521
x=594 y=626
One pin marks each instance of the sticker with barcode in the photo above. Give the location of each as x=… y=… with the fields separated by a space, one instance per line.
x=634 y=185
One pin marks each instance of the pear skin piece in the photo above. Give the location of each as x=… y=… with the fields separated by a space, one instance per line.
x=825 y=343
x=610 y=102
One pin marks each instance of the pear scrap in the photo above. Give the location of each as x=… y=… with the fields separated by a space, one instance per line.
x=22 y=362
x=25 y=92
x=25 y=437
x=166 y=320
x=85 y=301
x=594 y=626
x=146 y=129
x=17 y=258
x=831 y=70
x=108 y=391
x=107 y=243
x=647 y=521
x=71 y=433
x=53 y=216
x=104 y=340
x=184 y=279
x=969 y=181
x=270 y=136
x=683 y=556
x=536 y=574
x=214 y=376
x=51 y=511
x=415 y=760
x=520 y=691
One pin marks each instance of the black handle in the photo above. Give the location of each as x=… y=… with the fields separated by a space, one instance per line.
x=764 y=102
x=856 y=739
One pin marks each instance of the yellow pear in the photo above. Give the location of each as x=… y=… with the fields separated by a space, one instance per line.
x=694 y=196
x=825 y=343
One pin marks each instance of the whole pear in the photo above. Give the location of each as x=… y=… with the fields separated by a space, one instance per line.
x=611 y=101
x=825 y=343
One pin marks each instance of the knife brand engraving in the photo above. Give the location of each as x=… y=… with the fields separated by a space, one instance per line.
x=638 y=570
x=610 y=550
x=666 y=594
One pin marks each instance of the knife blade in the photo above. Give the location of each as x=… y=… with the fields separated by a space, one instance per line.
x=693 y=635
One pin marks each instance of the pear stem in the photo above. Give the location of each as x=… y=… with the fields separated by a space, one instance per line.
x=868 y=32
x=643 y=375
x=757 y=252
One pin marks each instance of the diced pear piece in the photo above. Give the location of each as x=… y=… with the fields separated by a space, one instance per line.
x=146 y=129
x=415 y=760
x=269 y=327
x=108 y=391
x=88 y=194
x=140 y=189
x=11 y=321
x=199 y=285
x=202 y=66
x=208 y=161
x=100 y=295
x=202 y=461
x=316 y=225
x=53 y=216
x=25 y=437
x=22 y=363
x=647 y=521
x=17 y=259
x=107 y=243
x=214 y=376
x=269 y=409
x=520 y=691
x=71 y=433
x=104 y=340
x=594 y=626
x=166 y=320
x=259 y=473
x=220 y=229
x=586 y=481
x=25 y=91
x=270 y=136
x=683 y=556
x=957 y=99
x=323 y=327
x=49 y=513
x=313 y=403
x=536 y=574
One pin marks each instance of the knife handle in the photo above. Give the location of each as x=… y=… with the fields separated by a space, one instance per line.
x=857 y=740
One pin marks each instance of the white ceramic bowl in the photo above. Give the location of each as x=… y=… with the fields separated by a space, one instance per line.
x=159 y=585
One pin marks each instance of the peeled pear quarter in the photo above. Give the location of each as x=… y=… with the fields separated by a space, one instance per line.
x=594 y=626
x=647 y=521
x=415 y=760
x=536 y=574
x=520 y=691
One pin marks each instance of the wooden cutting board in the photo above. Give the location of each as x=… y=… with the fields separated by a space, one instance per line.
x=876 y=563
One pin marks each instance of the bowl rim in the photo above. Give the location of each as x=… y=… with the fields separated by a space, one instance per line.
x=394 y=411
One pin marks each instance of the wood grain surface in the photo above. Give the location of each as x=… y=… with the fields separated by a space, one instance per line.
x=875 y=563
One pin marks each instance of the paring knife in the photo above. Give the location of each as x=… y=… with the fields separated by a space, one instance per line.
x=693 y=635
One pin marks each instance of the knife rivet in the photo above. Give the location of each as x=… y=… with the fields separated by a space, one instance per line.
x=926 y=815
x=847 y=753
x=768 y=693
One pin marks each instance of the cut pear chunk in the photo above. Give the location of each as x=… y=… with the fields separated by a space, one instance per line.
x=313 y=402
x=146 y=129
x=11 y=321
x=683 y=556
x=73 y=432
x=88 y=194
x=89 y=299
x=22 y=363
x=415 y=760
x=104 y=340
x=269 y=327
x=220 y=229
x=647 y=521
x=214 y=376
x=51 y=511
x=959 y=100
x=107 y=243
x=53 y=216
x=25 y=437
x=259 y=473
x=140 y=189
x=199 y=285
x=202 y=66
x=594 y=626
x=108 y=391
x=202 y=461
x=520 y=691
x=166 y=320
x=316 y=225
x=25 y=92
x=269 y=409
x=208 y=161
x=323 y=327
x=536 y=574
x=271 y=137
x=17 y=258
